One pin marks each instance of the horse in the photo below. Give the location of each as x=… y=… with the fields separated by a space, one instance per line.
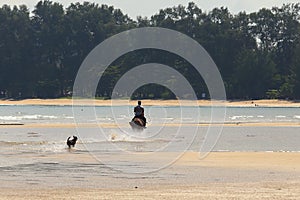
x=137 y=124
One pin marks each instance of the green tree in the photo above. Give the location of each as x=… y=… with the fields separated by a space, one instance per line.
x=256 y=53
x=15 y=51
x=48 y=23
x=295 y=75
x=253 y=75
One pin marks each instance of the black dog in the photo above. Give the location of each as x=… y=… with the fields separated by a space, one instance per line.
x=71 y=142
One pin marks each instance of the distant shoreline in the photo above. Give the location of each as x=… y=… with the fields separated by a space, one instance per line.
x=62 y=102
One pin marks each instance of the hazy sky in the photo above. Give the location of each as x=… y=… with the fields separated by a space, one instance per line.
x=149 y=7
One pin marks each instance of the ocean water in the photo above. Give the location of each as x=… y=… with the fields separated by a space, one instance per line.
x=168 y=114
x=166 y=125
x=39 y=147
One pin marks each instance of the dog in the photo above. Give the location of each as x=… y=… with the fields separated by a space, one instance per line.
x=71 y=142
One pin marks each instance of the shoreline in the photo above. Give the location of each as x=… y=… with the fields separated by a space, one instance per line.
x=69 y=102
x=113 y=125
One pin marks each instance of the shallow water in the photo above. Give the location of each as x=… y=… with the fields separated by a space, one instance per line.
x=180 y=134
x=155 y=114
x=39 y=155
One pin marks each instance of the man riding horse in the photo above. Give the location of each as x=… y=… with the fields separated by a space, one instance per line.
x=139 y=113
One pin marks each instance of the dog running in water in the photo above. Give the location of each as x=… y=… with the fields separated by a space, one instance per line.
x=71 y=142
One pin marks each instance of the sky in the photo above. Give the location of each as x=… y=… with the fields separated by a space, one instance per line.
x=148 y=8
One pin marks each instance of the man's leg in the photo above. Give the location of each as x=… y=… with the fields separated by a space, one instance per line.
x=144 y=119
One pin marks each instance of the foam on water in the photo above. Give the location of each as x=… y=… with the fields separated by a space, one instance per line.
x=280 y=116
x=131 y=137
x=27 y=117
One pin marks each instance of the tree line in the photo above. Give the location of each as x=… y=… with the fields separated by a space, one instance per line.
x=258 y=54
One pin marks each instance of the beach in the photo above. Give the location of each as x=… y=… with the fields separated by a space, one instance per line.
x=251 y=103
x=252 y=160
x=222 y=175
x=208 y=191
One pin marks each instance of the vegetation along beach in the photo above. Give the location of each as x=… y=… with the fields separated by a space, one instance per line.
x=235 y=136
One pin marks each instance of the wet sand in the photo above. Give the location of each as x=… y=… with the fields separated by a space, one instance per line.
x=114 y=125
x=219 y=175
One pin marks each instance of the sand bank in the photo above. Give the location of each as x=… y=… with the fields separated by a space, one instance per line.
x=276 y=161
x=114 y=125
x=220 y=175
x=264 y=103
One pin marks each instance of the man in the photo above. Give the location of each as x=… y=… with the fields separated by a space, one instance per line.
x=139 y=112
